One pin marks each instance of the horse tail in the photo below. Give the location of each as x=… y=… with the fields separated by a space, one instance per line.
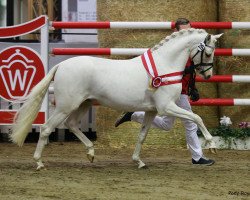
x=27 y=113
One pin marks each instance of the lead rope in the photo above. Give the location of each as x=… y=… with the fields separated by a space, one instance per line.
x=191 y=84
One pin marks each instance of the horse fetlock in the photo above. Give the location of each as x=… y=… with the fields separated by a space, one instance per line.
x=36 y=157
x=209 y=138
x=138 y=161
x=135 y=158
x=212 y=147
x=91 y=151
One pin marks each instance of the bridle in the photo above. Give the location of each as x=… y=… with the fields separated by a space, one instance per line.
x=201 y=49
x=191 y=70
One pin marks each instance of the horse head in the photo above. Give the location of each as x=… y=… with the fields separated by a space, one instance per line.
x=174 y=51
x=203 y=55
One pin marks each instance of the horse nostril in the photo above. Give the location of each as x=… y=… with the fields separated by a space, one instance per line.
x=208 y=77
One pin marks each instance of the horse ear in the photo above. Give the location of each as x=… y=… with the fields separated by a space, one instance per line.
x=218 y=36
x=207 y=39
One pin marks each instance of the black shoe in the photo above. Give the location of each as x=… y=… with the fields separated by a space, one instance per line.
x=125 y=117
x=203 y=161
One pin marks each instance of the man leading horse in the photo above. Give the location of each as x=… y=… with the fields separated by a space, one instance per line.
x=167 y=122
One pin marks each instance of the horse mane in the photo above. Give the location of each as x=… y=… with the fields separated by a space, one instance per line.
x=175 y=35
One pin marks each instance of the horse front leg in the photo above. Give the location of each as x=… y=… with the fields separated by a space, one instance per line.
x=173 y=110
x=148 y=118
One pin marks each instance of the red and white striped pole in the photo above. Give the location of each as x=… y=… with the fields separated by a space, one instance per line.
x=221 y=102
x=226 y=79
x=147 y=25
x=135 y=51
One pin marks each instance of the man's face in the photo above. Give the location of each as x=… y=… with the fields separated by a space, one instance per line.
x=186 y=26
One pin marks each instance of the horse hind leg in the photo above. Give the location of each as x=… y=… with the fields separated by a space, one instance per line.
x=147 y=121
x=56 y=118
x=72 y=123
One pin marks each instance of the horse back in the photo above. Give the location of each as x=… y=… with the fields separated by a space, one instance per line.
x=115 y=82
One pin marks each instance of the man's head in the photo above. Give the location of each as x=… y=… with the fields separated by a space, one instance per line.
x=182 y=23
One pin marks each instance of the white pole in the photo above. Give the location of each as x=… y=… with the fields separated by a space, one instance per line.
x=239 y=25
x=241 y=78
x=241 y=52
x=241 y=102
x=141 y=25
x=45 y=58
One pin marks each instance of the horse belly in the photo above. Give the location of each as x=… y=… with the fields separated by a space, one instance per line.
x=121 y=85
x=126 y=103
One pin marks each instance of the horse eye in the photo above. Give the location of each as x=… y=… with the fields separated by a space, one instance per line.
x=208 y=55
x=198 y=68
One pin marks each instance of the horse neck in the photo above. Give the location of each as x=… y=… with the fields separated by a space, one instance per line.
x=172 y=56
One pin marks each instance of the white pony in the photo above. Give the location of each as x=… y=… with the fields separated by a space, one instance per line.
x=121 y=85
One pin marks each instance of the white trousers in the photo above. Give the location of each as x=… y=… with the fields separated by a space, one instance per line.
x=167 y=122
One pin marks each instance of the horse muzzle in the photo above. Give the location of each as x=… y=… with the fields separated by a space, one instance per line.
x=207 y=77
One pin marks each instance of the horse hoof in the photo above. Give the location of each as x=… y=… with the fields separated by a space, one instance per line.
x=41 y=167
x=144 y=167
x=90 y=157
x=91 y=154
x=213 y=150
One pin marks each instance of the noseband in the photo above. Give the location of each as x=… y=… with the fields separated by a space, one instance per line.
x=201 y=49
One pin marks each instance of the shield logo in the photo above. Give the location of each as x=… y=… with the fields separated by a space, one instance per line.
x=21 y=68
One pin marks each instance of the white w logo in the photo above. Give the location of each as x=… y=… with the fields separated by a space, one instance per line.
x=14 y=77
x=17 y=77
